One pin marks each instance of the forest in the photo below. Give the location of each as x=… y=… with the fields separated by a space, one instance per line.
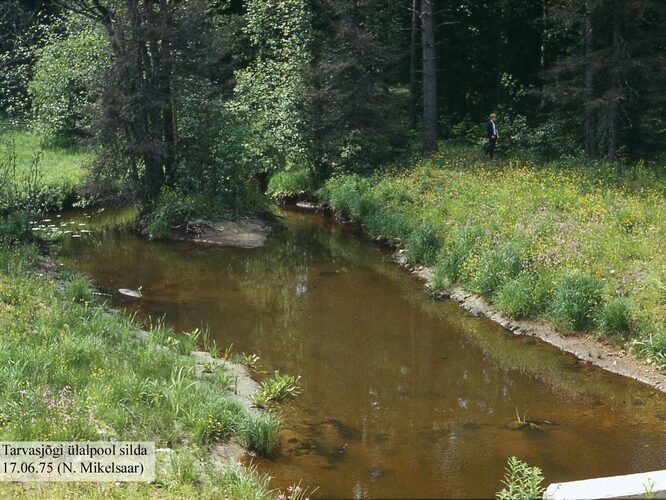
x=181 y=114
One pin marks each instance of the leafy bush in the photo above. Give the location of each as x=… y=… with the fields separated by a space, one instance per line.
x=576 y=301
x=61 y=84
x=288 y=183
x=423 y=244
x=496 y=266
x=172 y=208
x=521 y=481
x=617 y=317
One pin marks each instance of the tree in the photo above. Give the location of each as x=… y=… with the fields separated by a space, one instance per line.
x=430 y=111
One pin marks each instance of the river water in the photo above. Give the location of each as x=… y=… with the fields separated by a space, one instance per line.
x=403 y=396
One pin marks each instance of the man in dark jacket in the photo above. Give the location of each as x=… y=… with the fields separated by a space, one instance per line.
x=493 y=134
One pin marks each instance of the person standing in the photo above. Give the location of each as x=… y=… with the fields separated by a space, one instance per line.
x=493 y=134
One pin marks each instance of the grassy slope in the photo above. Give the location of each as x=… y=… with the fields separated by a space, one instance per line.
x=561 y=241
x=71 y=371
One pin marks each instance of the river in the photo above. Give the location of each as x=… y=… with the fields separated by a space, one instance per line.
x=402 y=396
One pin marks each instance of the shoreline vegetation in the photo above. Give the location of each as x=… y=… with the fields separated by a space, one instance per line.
x=566 y=253
x=74 y=370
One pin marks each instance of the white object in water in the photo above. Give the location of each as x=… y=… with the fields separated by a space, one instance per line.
x=130 y=293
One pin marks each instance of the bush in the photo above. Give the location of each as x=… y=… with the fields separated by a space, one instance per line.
x=576 y=301
x=13 y=226
x=63 y=76
x=289 y=183
x=423 y=244
x=172 y=208
x=496 y=266
x=617 y=317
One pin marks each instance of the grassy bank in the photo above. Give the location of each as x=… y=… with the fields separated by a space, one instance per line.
x=44 y=175
x=575 y=244
x=69 y=370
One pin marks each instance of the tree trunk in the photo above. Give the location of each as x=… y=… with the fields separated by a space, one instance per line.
x=429 y=78
x=413 y=86
x=616 y=78
x=590 y=127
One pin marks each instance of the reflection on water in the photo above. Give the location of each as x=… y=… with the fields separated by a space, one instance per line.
x=402 y=396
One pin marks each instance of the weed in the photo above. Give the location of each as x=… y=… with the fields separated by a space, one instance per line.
x=496 y=266
x=521 y=481
x=78 y=289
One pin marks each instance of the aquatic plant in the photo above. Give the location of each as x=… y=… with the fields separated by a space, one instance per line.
x=276 y=388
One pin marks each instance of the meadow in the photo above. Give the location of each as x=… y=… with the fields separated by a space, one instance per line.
x=579 y=245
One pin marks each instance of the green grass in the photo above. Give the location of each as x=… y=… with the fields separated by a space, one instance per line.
x=562 y=241
x=70 y=371
x=60 y=165
x=53 y=173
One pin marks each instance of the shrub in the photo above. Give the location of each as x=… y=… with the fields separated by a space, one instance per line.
x=521 y=481
x=576 y=301
x=276 y=388
x=617 y=317
x=13 y=226
x=289 y=183
x=496 y=266
x=423 y=244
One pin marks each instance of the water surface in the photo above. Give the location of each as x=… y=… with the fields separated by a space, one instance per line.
x=403 y=396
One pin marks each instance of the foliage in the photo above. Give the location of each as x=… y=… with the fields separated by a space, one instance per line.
x=496 y=266
x=290 y=183
x=523 y=296
x=64 y=80
x=521 y=481
x=423 y=244
x=271 y=93
x=259 y=433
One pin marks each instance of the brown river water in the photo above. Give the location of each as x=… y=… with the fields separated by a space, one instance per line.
x=403 y=396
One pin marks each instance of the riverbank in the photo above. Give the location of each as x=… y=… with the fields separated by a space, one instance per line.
x=563 y=252
x=72 y=371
